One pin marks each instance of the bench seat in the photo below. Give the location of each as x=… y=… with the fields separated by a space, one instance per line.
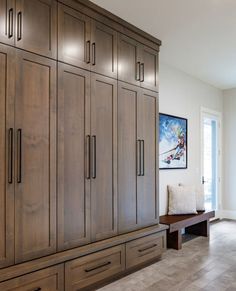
x=197 y=224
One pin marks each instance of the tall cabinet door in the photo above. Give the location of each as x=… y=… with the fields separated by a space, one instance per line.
x=103 y=157
x=147 y=190
x=7 y=81
x=129 y=61
x=127 y=161
x=36 y=22
x=149 y=78
x=74 y=46
x=104 y=49
x=7 y=24
x=73 y=157
x=35 y=190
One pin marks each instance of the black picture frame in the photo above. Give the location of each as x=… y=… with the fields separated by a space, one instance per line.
x=173 y=144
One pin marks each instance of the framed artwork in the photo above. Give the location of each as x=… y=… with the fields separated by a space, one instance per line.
x=173 y=138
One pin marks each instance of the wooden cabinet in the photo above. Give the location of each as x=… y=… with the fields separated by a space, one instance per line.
x=7 y=24
x=137 y=137
x=35 y=159
x=36 y=22
x=137 y=63
x=48 y=279
x=103 y=157
x=145 y=249
x=7 y=82
x=91 y=269
x=73 y=157
x=86 y=43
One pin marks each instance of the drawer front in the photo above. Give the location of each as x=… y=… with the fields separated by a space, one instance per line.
x=93 y=268
x=145 y=249
x=50 y=279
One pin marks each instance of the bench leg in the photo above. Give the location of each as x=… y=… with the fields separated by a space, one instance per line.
x=201 y=229
x=174 y=240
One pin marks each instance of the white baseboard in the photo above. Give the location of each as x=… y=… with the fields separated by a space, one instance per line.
x=228 y=214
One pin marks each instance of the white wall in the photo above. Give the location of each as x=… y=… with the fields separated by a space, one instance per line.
x=183 y=95
x=229 y=197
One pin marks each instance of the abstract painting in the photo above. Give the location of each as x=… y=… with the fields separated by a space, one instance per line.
x=173 y=152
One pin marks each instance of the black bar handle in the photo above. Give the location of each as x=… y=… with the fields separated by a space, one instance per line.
x=88 y=52
x=97 y=267
x=38 y=289
x=143 y=158
x=138 y=157
x=19 y=26
x=94 y=141
x=10 y=23
x=142 y=72
x=94 y=54
x=138 y=71
x=88 y=154
x=147 y=248
x=10 y=155
x=19 y=155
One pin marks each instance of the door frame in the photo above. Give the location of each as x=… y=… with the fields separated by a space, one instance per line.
x=218 y=115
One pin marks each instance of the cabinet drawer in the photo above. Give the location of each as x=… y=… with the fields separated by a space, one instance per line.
x=50 y=279
x=145 y=249
x=93 y=268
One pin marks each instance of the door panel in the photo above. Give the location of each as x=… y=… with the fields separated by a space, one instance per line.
x=7 y=81
x=7 y=21
x=128 y=57
x=150 y=69
x=35 y=190
x=73 y=127
x=37 y=26
x=104 y=49
x=103 y=184
x=73 y=37
x=127 y=173
x=146 y=182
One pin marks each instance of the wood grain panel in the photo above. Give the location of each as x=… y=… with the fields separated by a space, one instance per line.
x=39 y=26
x=73 y=127
x=73 y=37
x=7 y=86
x=35 y=194
x=146 y=184
x=127 y=167
x=104 y=185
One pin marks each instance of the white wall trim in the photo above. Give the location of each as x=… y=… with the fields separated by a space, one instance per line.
x=228 y=214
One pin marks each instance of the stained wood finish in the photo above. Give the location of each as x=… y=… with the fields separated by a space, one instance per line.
x=129 y=59
x=127 y=169
x=35 y=189
x=150 y=63
x=94 y=268
x=48 y=279
x=36 y=22
x=7 y=86
x=74 y=45
x=104 y=49
x=145 y=249
x=104 y=170
x=7 y=26
x=73 y=184
x=147 y=192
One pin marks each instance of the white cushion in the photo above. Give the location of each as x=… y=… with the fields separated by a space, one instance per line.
x=182 y=200
x=200 y=199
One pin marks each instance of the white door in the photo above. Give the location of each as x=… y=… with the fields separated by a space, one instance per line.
x=211 y=159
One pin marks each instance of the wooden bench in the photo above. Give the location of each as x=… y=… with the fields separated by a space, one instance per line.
x=197 y=224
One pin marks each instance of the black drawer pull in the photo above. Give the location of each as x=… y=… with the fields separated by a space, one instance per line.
x=10 y=23
x=88 y=155
x=142 y=73
x=94 y=159
x=147 y=248
x=88 y=52
x=19 y=156
x=38 y=289
x=138 y=71
x=98 y=267
x=94 y=54
x=19 y=26
x=10 y=155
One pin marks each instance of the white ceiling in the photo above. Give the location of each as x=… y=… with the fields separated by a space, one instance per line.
x=199 y=36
